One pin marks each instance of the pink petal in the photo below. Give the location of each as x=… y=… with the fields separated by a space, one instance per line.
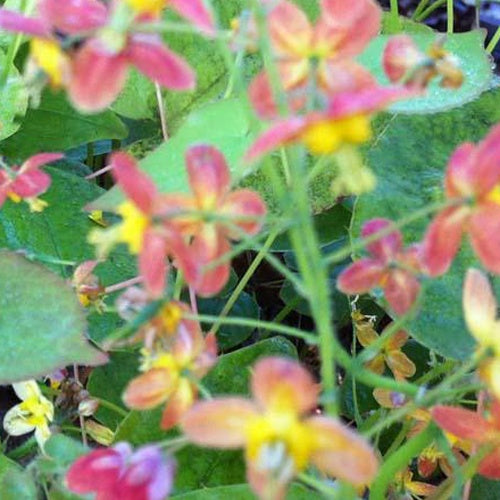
x=208 y=174
x=401 y=54
x=386 y=247
x=177 y=405
x=460 y=179
x=283 y=385
x=136 y=185
x=290 y=30
x=367 y=100
x=340 y=452
x=151 y=57
x=264 y=484
x=484 y=232
x=465 y=424
x=13 y=21
x=97 y=471
x=196 y=12
x=487 y=164
x=31 y=183
x=282 y=132
x=442 y=240
x=401 y=290
x=244 y=203
x=345 y=75
x=362 y=16
x=261 y=97
x=72 y=17
x=153 y=263
x=219 y=423
x=40 y=160
x=361 y=276
x=98 y=77
x=149 y=389
x=490 y=465
x=208 y=246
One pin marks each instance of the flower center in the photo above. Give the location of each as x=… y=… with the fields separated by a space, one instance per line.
x=133 y=226
x=146 y=6
x=37 y=411
x=50 y=58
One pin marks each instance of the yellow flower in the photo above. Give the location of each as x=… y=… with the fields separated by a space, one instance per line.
x=34 y=413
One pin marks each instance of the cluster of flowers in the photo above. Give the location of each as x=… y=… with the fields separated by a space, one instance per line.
x=87 y=46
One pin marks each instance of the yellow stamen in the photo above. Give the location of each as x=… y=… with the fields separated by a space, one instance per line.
x=36 y=205
x=146 y=6
x=49 y=56
x=14 y=197
x=133 y=226
x=171 y=315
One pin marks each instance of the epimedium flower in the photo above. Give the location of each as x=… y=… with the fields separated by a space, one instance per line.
x=118 y=473
x=345 y=121
x=476 y=428
x=87 y=285
x=472 y=180
x=326 y=49
x=100 y=67
x=405 y=63
x=28 y=181
x=214 y=214
x=390 y=353
x=390 y=267
x=152 y=241
x=55 y=22
x=405 y=483
x=279 y=436
x=171 y=370
x=34 y=413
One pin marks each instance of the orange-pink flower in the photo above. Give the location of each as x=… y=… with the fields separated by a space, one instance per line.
x=478 y=429
x=328 y=47
x=390 y=267
x=345 y=121
x=144 y=228
x=172 y=367
x=278 y=433
x=27 y=181
x=217 y=216
x=473 y=181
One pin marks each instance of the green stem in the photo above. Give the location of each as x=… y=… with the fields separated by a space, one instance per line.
x=420 y=7
x=429 y=10
x=265 y=325
x=24 y=449
x=399 y=460
x=494 y=41
x=450 y=16
x=244 y=280
x=318 y=485
x=394 y=21
x=111 y=406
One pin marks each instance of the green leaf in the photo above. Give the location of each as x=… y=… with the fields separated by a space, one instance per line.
x=42 y=325
x=14 y=99
x=484 y=489
x=243 y=492
x=137 y=99
x=64 y=450
x=410 y=159
x=56 y=126
x=223 y=124
x=474 y=62
x=6 y=464
x=17 y=484
x=198 y=467
x=109 y=381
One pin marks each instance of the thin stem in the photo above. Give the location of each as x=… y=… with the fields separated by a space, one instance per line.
x=81 y=419
x=450 y=16
x=318 y=485
x=429 y=10
x=244 y=280
x=123 y=284
x=162 y=111
x=111 y=406
x=420 y=7
x=395 y=23
x=265 y=325
x=99 y=172
x=494 y=41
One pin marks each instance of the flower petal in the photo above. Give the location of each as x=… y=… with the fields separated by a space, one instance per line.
x=442 y=239
x=31 y=183
x=401 y=290
x=400 y=364
x=39 y=160
x=149 y=389
x=479 y=305
x=152 y=262
x=178 y=404
x=27 y=389
x=360 y=277
x=219 y=423
x=465 y=424
x=13 y=21
x=244 y=203
x=136 y=185
x=209 y=175
x=401 y=55
x=71 y=17
x=484 y=232
x=283 y=384
x=196 y=12
x=345 y=75
x=15 y=424
x=387 y=246
x=487 y=162
x=264 y=484
x=460 y=177
x=340 y=452
x=98 y=76
x=97 y=471
x=160 y=64
x=490 y=465
x=282 y=132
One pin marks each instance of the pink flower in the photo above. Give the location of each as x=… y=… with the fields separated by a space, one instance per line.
x=296 y=44
x=345 y=121
x=118 y=474
x=390 y=267
x=222 y=215
x=473 y=180
x=27 y=181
